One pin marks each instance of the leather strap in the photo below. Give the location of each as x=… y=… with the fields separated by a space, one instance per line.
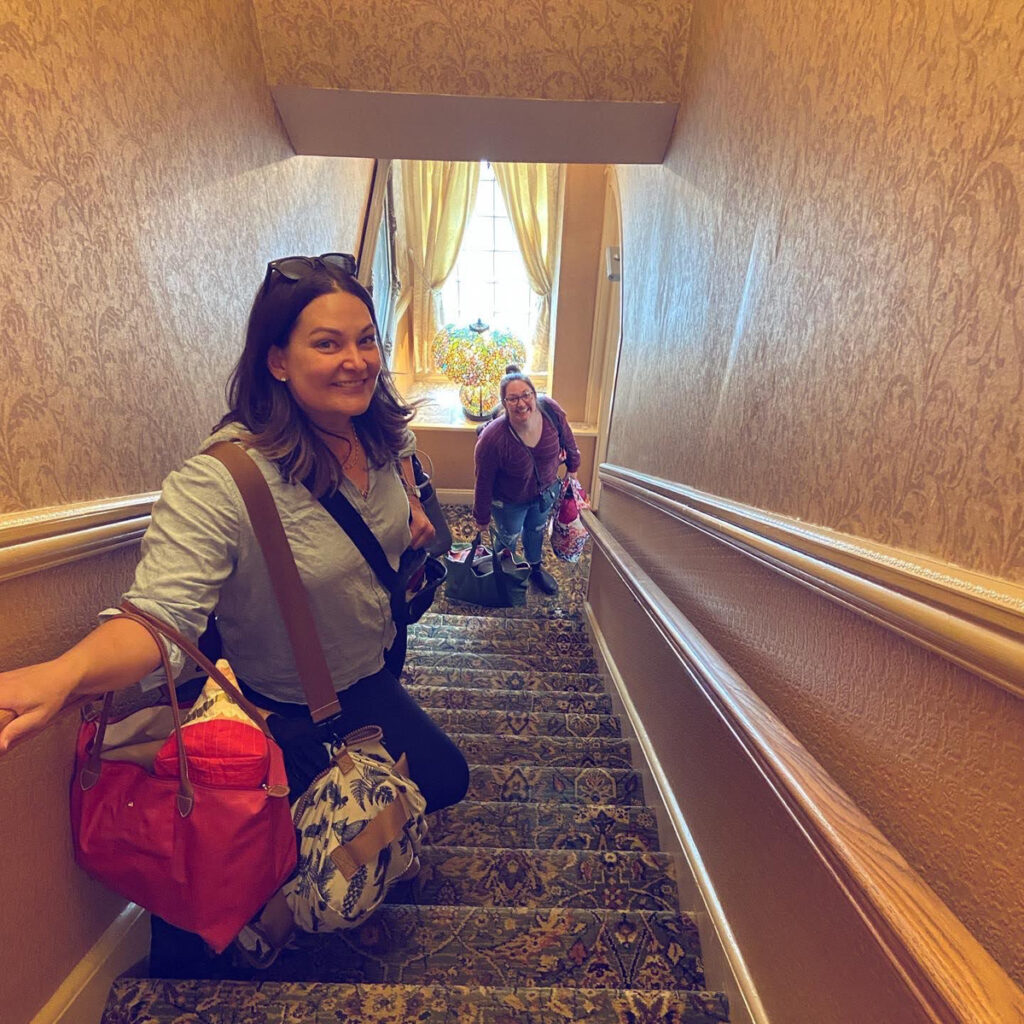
x=291 y=595
x=383 y=830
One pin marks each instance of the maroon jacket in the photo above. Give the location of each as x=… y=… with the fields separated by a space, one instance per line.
x=505 y=466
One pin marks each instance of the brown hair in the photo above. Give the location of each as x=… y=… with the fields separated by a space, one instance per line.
x=512 y=372
x=278 y=428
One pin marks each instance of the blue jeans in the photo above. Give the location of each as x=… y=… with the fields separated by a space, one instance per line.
x=529 y=518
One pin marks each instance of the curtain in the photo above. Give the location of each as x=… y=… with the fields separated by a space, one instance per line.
x=531 y=194
x=438 y=197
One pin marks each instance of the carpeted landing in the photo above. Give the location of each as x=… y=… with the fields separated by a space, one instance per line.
x=543 y=897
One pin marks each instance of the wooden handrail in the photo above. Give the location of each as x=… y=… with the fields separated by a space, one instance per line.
x=944 y=966
x=974 y=620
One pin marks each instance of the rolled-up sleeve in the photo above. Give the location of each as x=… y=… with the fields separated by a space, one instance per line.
x=189 y=549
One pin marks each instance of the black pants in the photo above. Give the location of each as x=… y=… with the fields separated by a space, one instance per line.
x=436 y=765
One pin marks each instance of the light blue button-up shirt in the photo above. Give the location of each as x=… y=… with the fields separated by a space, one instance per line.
x=200 y=554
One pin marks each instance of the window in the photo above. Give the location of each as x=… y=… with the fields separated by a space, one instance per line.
x=489 y=280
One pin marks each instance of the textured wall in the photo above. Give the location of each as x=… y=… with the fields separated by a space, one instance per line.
x=144 y=183
x=837 y=237
x=572 y=50
x=929 y=752
x=831 y=261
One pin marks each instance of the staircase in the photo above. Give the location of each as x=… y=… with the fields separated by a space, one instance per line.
x=542 y=898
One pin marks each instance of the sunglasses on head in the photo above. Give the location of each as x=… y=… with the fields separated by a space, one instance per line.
x=295 y=268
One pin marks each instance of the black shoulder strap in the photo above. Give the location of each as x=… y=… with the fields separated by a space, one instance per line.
x=361 y=535
x=552 y=417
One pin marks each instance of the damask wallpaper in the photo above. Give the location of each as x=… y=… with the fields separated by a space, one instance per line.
x=571 y=50
x=144 y=183
x=837 y=242
x=831 y=261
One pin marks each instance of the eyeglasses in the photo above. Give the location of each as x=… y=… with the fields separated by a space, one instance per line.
x=295 y=268
x=522 y=399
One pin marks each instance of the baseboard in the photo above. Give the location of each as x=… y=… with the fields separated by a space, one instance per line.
x=454 y=496
x=723 y=962
x=82 y=995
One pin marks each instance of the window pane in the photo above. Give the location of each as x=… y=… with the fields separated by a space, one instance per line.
x=485 y=197
x=485 y=283
x=505 y=236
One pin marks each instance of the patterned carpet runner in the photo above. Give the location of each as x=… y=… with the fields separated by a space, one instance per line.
x=543 y=897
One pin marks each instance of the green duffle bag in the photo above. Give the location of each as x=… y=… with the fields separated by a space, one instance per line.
x=478 y=577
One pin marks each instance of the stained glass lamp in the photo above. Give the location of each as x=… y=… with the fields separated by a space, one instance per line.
x=475 y=358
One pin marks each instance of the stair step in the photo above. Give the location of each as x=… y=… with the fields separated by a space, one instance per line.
x=541 y=660
x=444 y=625
x=480 y=699
x=486 y=877
x=502 y=946
x=568 y=609
x=540 y=784
x=527 y=723
x=540 y=826
x=499 y=642
x=505 y=679
x=156 y=1001
x=554 y=751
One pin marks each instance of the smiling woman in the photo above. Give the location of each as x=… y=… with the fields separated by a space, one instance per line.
x=330 y=364
x=316 y=410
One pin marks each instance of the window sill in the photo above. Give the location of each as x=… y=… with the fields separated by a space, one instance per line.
x=441 y=406
x=441 y=409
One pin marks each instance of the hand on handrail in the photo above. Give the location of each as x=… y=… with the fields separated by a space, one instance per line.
x=29 y=698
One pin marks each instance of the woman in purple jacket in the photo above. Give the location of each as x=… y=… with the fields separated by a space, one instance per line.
x=517 y=458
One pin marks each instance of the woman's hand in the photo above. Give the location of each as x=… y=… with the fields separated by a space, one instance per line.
x=420 y=526
x=113 y=656
x=35 y=694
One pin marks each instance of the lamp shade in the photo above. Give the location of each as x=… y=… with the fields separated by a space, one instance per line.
x=475 y=358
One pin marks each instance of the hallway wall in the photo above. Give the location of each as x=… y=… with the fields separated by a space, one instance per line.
x=830 y=260
x=145 y=180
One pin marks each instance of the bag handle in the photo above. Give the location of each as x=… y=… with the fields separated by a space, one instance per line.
x=292 y=599
x=277 y=784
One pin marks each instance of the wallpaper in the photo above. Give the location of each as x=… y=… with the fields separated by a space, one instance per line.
x=144 y=183
x=831 y=260
x=571 y=50
x=928 y=751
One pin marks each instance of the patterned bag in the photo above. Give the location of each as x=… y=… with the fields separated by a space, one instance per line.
x=568 y=534
x=361 y=827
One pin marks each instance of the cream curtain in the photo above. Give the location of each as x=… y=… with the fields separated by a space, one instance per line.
x=532 y=193
x=438 y=197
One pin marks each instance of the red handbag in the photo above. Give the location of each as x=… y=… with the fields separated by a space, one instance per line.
x=203 y=856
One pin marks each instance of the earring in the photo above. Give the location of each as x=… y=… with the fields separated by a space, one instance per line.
x=283 y=380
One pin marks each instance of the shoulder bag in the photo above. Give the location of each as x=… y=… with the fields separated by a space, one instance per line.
x=361 y=821
x=200 y=837
x=479 y=577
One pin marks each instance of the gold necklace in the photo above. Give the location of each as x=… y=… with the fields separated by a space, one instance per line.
x=355 y=447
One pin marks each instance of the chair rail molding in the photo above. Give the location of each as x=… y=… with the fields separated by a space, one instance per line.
x=47 y=537
x=974 y=620
x=951 y=976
